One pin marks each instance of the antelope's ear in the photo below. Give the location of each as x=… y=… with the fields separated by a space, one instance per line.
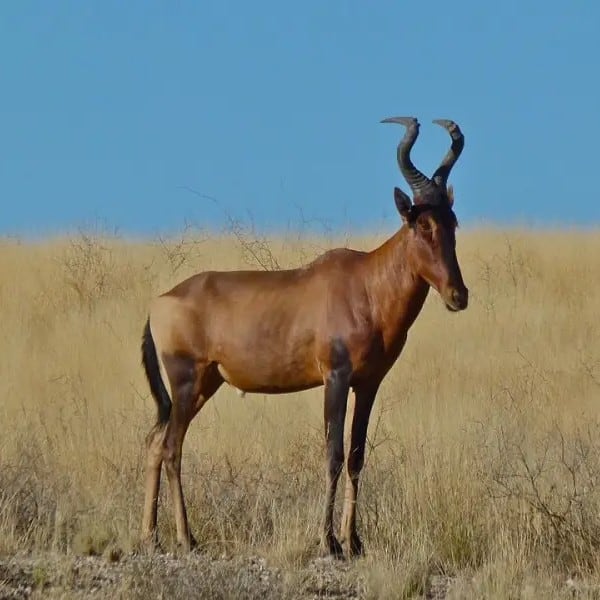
x=450 y=193
x=403 y=203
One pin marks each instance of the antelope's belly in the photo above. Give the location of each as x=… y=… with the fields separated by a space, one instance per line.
x=272 y=378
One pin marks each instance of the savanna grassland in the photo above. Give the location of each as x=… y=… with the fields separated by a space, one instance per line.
x=482 y=477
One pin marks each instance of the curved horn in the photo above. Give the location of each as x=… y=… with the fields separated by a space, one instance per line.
x=418 y=182
x=440 y=177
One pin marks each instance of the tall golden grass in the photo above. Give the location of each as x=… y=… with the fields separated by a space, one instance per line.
x=484 y=446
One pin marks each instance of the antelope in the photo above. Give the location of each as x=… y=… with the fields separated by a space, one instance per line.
x=339 y=322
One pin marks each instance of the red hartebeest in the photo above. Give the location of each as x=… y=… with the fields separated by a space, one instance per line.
x=341 y=321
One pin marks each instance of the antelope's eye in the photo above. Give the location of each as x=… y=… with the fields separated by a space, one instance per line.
x=425 y=226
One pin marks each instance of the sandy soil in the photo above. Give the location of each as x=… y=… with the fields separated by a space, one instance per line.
x=193 y=576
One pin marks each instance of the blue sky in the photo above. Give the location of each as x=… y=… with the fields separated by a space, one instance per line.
x=110 y=110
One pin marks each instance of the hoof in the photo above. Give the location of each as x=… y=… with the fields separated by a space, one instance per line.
x=150 y=545
x=353 y=547
x=193 y=542
x=331 y=547
x=185 y=546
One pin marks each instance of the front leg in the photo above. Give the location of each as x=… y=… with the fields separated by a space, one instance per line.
x=364 y=396
x=336 y=398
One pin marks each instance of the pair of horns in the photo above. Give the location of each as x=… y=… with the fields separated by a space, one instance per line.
x=420 y=184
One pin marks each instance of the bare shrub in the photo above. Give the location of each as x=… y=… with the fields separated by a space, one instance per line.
x=256 y=248
x=87 y=264
x=550 y=477
x=183 y=249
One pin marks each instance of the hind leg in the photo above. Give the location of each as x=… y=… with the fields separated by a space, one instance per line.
x=192 y=384
x=154 y=457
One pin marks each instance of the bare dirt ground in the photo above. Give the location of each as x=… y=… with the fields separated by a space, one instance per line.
x=193 y=576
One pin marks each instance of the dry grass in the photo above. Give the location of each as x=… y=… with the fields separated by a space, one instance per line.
x=484 y=446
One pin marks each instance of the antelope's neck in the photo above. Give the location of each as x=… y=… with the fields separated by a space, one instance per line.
x=396 y=292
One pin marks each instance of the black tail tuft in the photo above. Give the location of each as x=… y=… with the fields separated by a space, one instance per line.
x=151 y=366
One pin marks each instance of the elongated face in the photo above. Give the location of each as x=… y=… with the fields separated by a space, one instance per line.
x=433 y=245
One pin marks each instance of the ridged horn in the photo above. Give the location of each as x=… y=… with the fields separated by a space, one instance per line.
x=419 y=183
x=440 y=177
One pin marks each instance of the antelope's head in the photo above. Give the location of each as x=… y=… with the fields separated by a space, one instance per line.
x=429 y=217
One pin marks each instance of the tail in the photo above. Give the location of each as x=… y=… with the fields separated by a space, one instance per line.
x=152 y=368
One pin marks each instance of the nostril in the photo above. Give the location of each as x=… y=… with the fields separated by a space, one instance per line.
x=460 y=297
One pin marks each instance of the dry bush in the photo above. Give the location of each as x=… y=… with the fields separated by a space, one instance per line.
x=484 y=448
